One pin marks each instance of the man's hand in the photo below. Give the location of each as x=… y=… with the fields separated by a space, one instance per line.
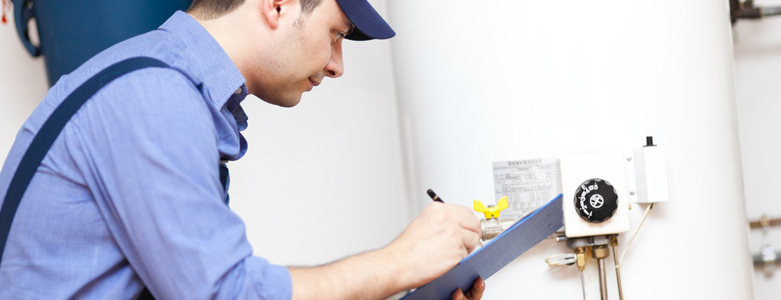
x=436 y=241
x=475 y=293
x=442 y=236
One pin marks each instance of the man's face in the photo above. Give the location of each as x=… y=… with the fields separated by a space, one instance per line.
x=306 y=50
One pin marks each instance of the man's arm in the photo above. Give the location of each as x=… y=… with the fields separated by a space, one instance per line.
x=434 y=243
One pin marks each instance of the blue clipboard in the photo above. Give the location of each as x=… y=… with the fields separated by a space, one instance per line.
x=503 y=249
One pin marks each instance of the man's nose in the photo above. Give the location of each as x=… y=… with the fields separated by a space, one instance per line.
x=335 y=66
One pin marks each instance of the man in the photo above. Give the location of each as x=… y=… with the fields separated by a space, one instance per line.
x=130 y=195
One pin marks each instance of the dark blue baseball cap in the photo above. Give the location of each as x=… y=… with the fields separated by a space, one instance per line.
x=368 y=23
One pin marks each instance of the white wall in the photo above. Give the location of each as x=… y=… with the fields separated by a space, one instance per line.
x=498 y=80
x=320 y=181
x=758 y=68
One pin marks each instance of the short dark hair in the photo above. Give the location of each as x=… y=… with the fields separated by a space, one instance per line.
x=212 y=9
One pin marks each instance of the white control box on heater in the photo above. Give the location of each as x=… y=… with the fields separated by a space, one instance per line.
x=651 y=174
x=595 y=196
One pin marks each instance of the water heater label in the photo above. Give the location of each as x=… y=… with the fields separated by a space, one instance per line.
x=528 y=184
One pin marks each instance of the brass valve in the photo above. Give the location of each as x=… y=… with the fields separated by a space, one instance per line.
x=580 y=258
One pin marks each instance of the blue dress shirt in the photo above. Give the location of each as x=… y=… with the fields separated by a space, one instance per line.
x=130 y=194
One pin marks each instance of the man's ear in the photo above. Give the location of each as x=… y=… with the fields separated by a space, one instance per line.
x=272 y=11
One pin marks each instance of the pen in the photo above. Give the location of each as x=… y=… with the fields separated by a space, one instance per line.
x=434 y=196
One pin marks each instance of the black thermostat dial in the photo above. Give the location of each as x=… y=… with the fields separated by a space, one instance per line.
x=596 y=200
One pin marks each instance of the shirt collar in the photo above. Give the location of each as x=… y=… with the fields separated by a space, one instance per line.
x=213 y=67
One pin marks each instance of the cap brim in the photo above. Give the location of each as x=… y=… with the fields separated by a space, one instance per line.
x=368 y=23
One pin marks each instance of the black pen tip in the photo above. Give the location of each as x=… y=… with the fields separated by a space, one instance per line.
x=434 y=196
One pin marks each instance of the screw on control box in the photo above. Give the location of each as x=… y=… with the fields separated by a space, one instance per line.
x=596 y=200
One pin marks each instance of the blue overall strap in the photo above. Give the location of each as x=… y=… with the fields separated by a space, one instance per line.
x=225 y=179
x=51 y=129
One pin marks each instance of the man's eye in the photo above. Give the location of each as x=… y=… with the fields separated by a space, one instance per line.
x=339 y=35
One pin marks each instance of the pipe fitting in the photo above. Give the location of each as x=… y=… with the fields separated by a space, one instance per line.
x=580 y=258
x=600 y=251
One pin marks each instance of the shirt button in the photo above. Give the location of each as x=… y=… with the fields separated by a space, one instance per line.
x=238 y=91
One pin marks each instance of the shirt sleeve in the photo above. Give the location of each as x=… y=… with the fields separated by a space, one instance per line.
x=154 y=169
